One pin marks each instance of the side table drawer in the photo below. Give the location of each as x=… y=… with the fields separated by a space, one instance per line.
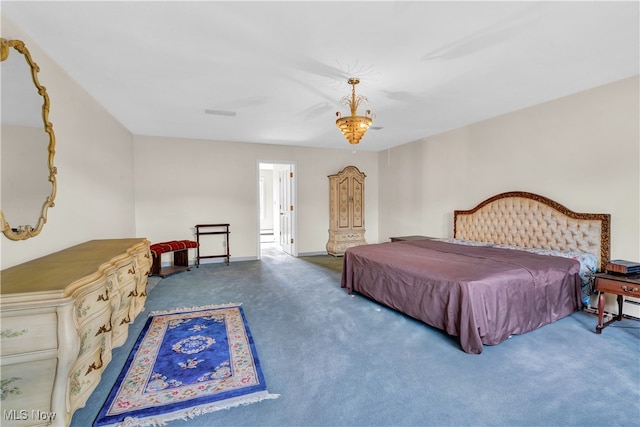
x=617 y=287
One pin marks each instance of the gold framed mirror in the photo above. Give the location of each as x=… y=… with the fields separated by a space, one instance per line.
x=27 y=145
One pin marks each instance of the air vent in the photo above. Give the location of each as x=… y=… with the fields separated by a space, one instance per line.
x=220 y=112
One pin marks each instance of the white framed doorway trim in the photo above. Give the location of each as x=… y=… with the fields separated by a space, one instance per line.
x=285 y=217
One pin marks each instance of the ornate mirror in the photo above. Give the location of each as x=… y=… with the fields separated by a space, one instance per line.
x=27 y=145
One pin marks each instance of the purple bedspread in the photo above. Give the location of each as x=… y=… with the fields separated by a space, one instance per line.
x=480 y=294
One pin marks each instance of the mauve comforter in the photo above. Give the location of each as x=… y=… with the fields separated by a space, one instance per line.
x=480 y=294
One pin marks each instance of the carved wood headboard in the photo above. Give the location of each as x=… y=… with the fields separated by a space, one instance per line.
x=528 y=220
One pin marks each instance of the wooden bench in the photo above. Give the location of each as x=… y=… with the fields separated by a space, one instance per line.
x=180 y=249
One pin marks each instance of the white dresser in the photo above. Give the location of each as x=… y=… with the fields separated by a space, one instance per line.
x=60 y=317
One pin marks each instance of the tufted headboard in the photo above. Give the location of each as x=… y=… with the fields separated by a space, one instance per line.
x=525 y=219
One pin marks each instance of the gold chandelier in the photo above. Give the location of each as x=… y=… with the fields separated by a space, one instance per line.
x=354 y=127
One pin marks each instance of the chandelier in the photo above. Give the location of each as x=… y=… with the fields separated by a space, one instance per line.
x=354 y=127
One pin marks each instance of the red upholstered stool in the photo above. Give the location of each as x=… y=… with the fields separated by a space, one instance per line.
x=180 y=256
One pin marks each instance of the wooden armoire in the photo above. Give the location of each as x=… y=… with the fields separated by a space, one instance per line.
x=346 y=210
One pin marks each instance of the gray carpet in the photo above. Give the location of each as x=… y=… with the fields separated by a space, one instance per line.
x=338 y=360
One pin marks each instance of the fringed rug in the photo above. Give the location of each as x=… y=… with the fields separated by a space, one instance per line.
x=186 y=362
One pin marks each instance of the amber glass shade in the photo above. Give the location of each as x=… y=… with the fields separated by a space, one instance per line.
x=353 y=127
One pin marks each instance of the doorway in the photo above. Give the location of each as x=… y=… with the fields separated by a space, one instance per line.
x=277 y=216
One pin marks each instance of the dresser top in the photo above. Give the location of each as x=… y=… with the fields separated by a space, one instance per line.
x=56 y=271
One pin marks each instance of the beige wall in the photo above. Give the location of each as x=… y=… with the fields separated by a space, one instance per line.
x=94 y=157
x=582 y=151
x=184 y=182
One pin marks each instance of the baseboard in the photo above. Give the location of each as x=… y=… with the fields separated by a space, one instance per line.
x=231 y=259
x=312 y=253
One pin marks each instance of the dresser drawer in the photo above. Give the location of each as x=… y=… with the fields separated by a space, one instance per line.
x=121 y=321
x=84 y=377
x=94 y=332
x=26 y=393
x=127 y=273
x=128 y=294
x=144 y=261
x=92 y=302
x=617 y=287
x=137 y=303
x=27 y=332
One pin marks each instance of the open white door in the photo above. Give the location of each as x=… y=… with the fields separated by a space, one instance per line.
x=283 y=201
x=285 y=189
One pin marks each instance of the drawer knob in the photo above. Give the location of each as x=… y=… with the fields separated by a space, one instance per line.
x=627 y=289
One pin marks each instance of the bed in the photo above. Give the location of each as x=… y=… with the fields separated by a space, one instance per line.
x=516 y=262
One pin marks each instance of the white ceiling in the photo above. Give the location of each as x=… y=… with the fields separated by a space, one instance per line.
x=426 y=67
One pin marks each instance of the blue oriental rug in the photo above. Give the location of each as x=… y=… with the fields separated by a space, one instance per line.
x=185 y=363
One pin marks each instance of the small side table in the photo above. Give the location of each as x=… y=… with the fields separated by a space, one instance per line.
x=403 y=238
x=618 y=285
x=213 y=229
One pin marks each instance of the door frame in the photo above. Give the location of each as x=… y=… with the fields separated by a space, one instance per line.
x=294 y=198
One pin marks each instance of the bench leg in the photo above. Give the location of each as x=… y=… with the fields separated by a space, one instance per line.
x=155 y=267
x=180 y=263
x=181 y=258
